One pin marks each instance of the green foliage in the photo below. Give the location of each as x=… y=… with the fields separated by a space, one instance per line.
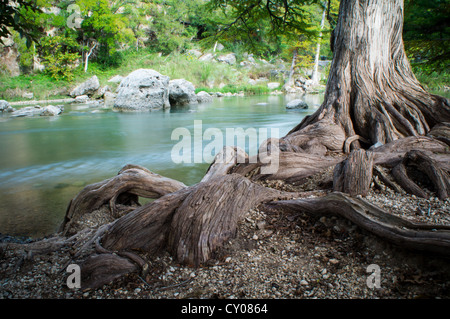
x=103 y=25
x=16 y=16
x=426 y=34
x=59 y=54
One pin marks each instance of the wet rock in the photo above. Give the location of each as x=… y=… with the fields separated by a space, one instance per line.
x=143 y=90
x=27 y=111
x=204 y=97
x=297 y=104
x=51 y=110
x=181 y=92
x=88 y=87
x=5 y=107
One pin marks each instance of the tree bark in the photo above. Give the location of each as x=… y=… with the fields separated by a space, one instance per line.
x=371 y=91
x=132 y=181
x=424 y=237
x=354 y=175
x=315 y=74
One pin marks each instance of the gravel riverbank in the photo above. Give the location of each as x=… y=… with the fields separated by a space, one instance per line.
x=273 y=256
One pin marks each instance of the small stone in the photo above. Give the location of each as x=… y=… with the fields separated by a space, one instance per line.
x=304 y=283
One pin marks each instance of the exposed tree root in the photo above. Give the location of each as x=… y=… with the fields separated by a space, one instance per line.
x=131 y=181
x=424 y=237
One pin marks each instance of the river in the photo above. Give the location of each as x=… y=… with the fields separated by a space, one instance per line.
x=46 y=161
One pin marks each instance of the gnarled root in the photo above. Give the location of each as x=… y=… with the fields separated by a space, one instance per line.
x=132 y=180
x=420 y=162
x=191 y=224
x=423 y=237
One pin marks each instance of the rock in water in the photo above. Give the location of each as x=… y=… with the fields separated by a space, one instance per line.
x=181 y=92
x=88 y=87
x=5 y=107
x=51 y=110
x=297 y=104
x=143 y=90
x=204 y=97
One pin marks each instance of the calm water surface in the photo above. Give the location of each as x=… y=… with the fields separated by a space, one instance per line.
x=46 y=161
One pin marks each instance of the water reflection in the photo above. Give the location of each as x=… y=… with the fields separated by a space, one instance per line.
x=45 y=162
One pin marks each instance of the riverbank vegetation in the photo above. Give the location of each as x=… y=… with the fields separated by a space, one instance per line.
x=66 y=42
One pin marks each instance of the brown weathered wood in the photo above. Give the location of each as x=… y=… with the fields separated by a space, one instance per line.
x=224 y=162
x=131 y=180
x=371 y=89
x=419 y=161
x=402 y=178
x=292 y=167
x=98 y=270
x=386 y=179
x=421 y=237
x=441 y=132
x=354 y=175
x=192 y=222
x=209 y=216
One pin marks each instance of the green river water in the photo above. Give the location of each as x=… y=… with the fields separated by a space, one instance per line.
x=46 y=161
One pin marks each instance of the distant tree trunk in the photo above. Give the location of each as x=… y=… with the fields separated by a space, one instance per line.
x=86 y=61
x=290 y=79
x=315 y=75
x=371 y=90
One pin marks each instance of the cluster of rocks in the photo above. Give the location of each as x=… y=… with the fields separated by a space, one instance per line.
x=229 y=58
x=302 y=85
x=146 y=90
x=91 y=89
x=141 y=90
x=36 y=110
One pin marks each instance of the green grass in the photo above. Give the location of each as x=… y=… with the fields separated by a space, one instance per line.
x=210 y=76
x=206 y=76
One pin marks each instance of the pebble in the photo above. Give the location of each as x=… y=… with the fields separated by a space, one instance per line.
x=301 y=261
x=304 y=283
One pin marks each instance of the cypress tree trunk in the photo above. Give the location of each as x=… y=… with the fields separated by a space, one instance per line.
x=371 y=90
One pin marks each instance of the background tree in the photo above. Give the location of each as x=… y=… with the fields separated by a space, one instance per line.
x=427 y=34
x=14 y=16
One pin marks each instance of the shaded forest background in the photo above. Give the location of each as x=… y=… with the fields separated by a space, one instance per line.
x=55 y=40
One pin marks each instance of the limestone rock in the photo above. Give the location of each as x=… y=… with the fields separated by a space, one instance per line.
x=88 y=87
x=181 y=92
x=5 y=107
x=297 y=104
x=204 y=97
x=143 y=90
x=227 y=58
